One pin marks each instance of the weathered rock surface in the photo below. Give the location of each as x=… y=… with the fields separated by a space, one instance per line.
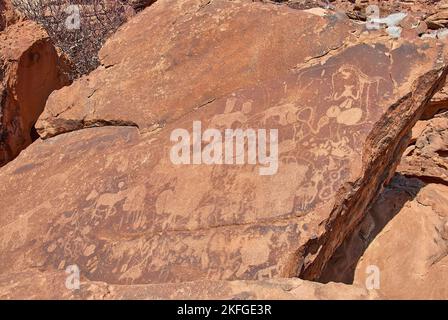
x=221 y=46
x=426 y=7
x=426 y=157
x=122 y=211
x=421 y=15
x=111 y=201
x=31 y=284
x=8 y=15
x=411 y=252
x=438 y=19
x=438 y=104
x=396 y=194
x=30 y=70
x=2 y=15
x=404 y=236
x=140 y=4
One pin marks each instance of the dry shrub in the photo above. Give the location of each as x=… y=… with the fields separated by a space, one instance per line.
x=78 y=27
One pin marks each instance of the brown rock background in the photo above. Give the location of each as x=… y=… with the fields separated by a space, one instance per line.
x=8 y=16
x=30 y=69
x=362 y=148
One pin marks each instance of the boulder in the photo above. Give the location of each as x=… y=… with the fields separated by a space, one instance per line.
x=427 y=155
x=102 y=191
x=402 y=240
x=30 y=69
x=343 y=263
x=410 y=252
x=438 y=104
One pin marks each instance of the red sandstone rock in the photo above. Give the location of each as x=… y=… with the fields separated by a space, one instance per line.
x=438 y=104
x=30 y=69
x=426 y=157
x=179 y=65
x=140 y=4
x=31 y=284
x=411 y=251
x=403 y=238
x=111 y=201
x=122 y=211
x=8 y=15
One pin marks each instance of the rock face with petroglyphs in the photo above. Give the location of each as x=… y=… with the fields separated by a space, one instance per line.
x=104 y=191
x=237 y=60
x=411 y=251
x=126 y=214
x=51 y=285
x=30 y=69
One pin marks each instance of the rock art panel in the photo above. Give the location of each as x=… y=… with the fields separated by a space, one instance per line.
x=51 y=285
x=186 y=54
x=125 y=214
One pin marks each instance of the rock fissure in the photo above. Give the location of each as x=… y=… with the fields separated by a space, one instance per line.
x=347 y=215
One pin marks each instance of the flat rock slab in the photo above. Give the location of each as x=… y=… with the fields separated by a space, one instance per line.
x=111 y=201
x=32 y=284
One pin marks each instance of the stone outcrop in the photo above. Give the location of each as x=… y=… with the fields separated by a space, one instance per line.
x=30 y=69
x=411 y=251
x=405 y=237
x=427 y=156
x=121 y=210
x=8 y=16
x=439 y=19
x=218 y=58
x=358 y=7
x=31 y=284
x=101 y=190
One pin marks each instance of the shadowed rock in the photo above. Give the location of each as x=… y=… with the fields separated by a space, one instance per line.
x=402 y=242
x=30 y=69
x=111 y=200
x=426 y=157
